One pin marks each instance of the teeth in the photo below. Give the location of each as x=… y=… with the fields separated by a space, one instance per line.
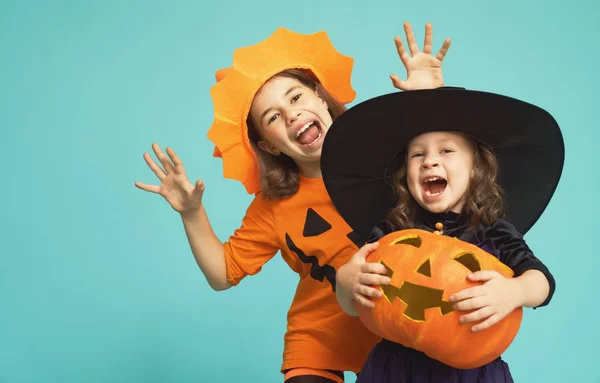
x=301 y=130
x=433 y=179
x=316 y=139
x=430 y=194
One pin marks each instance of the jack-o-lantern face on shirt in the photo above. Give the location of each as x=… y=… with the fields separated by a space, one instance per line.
x=425 y=270
x=314 y=227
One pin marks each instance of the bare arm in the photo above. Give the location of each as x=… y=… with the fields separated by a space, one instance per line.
x=344 y=298
x=207 y=248
x=534 y=288
x=186 y=198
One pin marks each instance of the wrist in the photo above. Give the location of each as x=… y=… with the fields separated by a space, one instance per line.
x=192 y=215
x=519 y=292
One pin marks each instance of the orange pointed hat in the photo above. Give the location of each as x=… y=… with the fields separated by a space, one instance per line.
x=252 y=66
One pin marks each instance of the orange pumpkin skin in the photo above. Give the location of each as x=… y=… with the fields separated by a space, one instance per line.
x=439 y=335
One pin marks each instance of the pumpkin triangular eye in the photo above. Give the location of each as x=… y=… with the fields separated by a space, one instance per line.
x=314 y=224
x=469 y=261
x=425 y=269
x=411 y=240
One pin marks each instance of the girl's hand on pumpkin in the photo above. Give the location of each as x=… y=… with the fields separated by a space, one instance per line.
x=180 y=193
x=423 y=71
x=492 y=301
x=358 y=276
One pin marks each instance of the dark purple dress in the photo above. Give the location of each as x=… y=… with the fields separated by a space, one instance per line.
x=391 y=362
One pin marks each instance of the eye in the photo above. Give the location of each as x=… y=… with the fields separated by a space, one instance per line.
x=273 y=118
x=417 y=154
x=446 y=151
x=296 y=97
x=411 y=240
x=469 y=261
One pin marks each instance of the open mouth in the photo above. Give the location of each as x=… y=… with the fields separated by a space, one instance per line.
x=434 y=186
x=309 y=133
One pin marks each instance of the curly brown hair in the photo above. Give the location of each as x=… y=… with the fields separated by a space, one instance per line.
x=279 y=175
x=483 y=200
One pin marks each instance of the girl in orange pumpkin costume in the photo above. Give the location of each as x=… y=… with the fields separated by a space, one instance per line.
x=273 y=107
x=438 y=172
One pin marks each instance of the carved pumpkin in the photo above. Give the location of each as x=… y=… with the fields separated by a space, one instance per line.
x=425 y=270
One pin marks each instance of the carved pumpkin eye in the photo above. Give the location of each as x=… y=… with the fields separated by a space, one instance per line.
x=469 y=261
x=412 y=240
x=416 y=241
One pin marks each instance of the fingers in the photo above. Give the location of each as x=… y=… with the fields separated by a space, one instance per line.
x=471 y=304
x=483 y=275
x=373 y=279
x=178 y=164
x=428 y=46
x=200 y=186
x=399 y=84
x=150 y=188
x=364 y=301
x=368 y=291
x=477 y=315
x=467 y=293
x=410 y=39
x=366 y=250
x=487 y=323
x=374 y=268
x=198 y=191
x=363 y=295
x=157 y=170
x=443 y=50
x=401 y=51
x=164 y=160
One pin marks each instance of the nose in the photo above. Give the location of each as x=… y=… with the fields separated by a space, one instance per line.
x=430 y=161
x=292 y=115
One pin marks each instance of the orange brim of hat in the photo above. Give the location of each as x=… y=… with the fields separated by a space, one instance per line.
x=253 y=66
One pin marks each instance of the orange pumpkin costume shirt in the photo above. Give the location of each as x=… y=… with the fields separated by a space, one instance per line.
x=314 y=241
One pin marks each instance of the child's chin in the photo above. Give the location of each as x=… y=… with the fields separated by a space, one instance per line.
x=434 y=207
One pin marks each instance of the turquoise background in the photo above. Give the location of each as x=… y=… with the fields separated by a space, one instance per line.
x=97 y=282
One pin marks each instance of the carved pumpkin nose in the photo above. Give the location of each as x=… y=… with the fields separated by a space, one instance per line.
x=425 y=268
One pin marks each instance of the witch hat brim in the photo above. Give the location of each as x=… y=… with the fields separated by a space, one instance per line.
x=365 y=146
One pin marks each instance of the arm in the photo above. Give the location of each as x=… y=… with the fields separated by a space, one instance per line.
x=186 y=199
x=515 y=253
x=532 y=285
x=223 y=264
x=206 y=248
x=344 y=298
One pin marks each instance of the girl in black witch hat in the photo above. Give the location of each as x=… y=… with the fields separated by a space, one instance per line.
x=460 y=160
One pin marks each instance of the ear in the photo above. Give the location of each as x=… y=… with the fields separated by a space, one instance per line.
x=267 y=147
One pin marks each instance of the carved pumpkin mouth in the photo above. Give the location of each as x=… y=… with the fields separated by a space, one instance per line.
x=417 y=297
